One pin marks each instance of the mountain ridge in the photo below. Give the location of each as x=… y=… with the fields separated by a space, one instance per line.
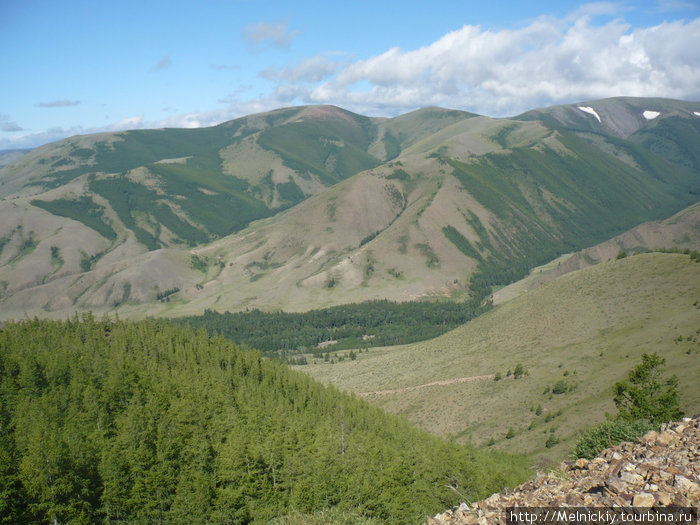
x=312 y=206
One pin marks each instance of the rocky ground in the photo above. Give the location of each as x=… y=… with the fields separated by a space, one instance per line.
x=660 y=470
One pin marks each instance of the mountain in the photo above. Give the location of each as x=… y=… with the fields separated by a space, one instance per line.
x=8 y=156
x=312 y=206
x=573 y=337
x=681 y=232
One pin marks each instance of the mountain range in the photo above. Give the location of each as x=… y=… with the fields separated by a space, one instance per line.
x=305 y=207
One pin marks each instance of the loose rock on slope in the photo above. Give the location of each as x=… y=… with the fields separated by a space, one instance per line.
x=661 y=469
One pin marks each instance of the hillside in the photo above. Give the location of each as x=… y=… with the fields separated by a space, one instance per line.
x=574 y=336
x=679 y=232
x=316 y=206
x=146 y=422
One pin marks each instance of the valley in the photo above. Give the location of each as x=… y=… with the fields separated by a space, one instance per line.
x=584 y=330
x=439 y=302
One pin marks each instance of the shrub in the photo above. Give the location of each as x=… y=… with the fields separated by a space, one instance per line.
x=519 y=371
x=593 y=441
x=561 y=387
x=551 y=441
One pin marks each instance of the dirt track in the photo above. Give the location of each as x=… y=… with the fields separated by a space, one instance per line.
x=434 y=383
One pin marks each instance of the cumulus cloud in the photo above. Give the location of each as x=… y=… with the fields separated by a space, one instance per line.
x=34 y=139
x=59 y=103
x=313 y=69
x=8 y=125
x=505 y=72
x=262 y=34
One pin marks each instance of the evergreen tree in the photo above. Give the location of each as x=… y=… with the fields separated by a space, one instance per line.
x=646 y=396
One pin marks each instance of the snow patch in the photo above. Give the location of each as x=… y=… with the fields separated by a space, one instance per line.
x=649 y=115
x=589 y=110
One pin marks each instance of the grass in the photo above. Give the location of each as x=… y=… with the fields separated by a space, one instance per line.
x=592 y=325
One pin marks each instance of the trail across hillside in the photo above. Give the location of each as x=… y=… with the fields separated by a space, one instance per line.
x=434 y=383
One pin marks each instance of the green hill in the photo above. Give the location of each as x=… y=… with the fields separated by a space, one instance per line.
x=147 y=422
x=309 y=207
x=574 y=336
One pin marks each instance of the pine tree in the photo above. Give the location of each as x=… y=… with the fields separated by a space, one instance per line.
x=645 y=395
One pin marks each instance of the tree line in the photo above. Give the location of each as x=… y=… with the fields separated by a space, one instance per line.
x=358 y=325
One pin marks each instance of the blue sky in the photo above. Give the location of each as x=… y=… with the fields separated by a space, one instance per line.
x=74 y=67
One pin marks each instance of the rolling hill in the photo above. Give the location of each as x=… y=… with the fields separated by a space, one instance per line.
x=574 y=337
x=314 y=206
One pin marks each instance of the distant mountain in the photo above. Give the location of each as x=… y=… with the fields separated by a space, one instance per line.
x=311 y=206
x=8 y=156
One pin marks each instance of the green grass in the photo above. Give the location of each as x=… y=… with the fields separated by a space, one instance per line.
x=586 y=329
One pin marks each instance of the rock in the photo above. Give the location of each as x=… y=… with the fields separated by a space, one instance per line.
x=663 y=499
x=631 y=477
x=644 y=499
x=683 y=483
x=664 y=438
x=661 y=469
x=650 y=437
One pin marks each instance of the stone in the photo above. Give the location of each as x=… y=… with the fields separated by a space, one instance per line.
x=643 y=499
x=650 y=437
x=664 y=438
x=661 y=469
x=631 y=477
x=580 y=463
x=663 y=499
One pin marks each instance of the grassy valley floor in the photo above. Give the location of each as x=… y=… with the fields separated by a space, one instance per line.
x=574 y=337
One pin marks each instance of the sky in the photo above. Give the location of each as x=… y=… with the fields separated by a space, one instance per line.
x=75 y=67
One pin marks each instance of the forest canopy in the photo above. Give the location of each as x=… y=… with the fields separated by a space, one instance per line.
x=143 y=422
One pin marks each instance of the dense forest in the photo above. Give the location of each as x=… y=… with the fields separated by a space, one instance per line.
x=371 y=323
x=150 y=422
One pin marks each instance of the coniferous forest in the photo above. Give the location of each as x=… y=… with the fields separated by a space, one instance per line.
x=150 y=422
x=354 y=325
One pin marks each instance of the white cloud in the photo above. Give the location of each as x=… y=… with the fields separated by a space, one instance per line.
x=261 y=34
x=313 y=69
x=8 y=125
x=505 y=72
x=491 y=72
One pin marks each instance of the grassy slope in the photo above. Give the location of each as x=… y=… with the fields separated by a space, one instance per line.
x=516 y=193
x=594 y=323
